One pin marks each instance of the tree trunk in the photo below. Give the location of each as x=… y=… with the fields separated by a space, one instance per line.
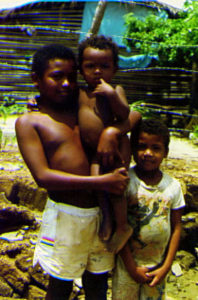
x=194 y=98
x=193 y=108
x=97 y=19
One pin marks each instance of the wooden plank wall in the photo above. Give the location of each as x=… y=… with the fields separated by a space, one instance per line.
x=169 y=88
x=27 y=28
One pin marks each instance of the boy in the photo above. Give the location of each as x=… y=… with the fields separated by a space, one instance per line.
x=102 y=105
x=49 y=141
x=155 y=203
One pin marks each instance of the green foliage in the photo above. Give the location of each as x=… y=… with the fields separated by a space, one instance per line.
x=146 y=112
x=9 y=108
x=1 y=135
x=195 y=132
x=174 y=40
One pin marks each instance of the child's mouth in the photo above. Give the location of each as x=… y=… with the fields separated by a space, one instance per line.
x=148 y=161
x=98 y=80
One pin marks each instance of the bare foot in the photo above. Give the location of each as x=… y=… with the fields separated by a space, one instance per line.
x=105 y=229
x=119 y=239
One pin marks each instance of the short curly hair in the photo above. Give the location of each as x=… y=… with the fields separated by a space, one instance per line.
x=151 y=126
x=44 y=54
x=98 y=42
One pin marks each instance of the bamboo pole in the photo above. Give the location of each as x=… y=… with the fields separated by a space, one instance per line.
x=97 y=19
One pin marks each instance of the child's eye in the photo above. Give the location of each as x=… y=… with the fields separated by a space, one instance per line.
x=89 y=66
x=141 y=146
x=56 y=76
x=156 y=148
x=105 y=66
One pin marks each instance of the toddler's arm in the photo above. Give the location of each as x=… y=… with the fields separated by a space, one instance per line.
x=116 y=97
x=158 y=274
x=107 y=149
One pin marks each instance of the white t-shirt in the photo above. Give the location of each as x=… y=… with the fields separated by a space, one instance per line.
x=149 y=209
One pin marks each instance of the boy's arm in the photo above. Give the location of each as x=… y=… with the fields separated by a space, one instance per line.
x=108 y=143
x=32 y=150
x=32 y=105
x=158 y=274
x=116 y=97
x=137 y=273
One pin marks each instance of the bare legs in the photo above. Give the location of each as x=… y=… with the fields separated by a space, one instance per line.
x=59 y=289
x=95 y=287
x=115 y=203
x=123 y=230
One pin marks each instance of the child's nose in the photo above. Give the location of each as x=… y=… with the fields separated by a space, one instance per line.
x=65 y=82
x=148 y=152
x=97 y=70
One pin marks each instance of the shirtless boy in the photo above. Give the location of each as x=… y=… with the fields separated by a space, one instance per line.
x=102 y=105
x=49 y=141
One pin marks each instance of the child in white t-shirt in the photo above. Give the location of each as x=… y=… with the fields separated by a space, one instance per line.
x=155 y=203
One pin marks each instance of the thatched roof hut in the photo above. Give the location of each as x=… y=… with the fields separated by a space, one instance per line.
x=25 y=28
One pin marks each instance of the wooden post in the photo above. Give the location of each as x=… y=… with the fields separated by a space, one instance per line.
x=194 y=98
x=97 y=19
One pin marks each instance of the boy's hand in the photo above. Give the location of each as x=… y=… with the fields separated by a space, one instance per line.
x=32 y=105
x=103 y=89
x=107 y=149
x=118 y=181
x=156 y=276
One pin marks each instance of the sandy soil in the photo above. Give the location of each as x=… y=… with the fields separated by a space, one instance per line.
x=183 y=148
x=182 y=161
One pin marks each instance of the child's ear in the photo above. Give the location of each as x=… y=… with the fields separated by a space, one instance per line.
x=115 y=69
x=35 y=79
x=80 y=71
x=166 y=152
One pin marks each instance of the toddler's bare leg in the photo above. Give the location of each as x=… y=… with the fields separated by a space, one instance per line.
x=123 y=229
x=103 y=200
x=106 y=223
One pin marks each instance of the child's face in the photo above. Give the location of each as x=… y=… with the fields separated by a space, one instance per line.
x=97 y=64
x=58 y=82
x=149 y=152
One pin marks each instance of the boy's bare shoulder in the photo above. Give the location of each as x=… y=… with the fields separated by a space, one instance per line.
x=30 y=118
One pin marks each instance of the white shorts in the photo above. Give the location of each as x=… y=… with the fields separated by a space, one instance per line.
x=68 y=243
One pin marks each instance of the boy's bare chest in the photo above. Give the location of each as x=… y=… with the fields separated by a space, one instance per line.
x=54 y=133
x=63 y=147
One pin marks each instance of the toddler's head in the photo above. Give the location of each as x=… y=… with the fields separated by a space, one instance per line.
x=100 y=42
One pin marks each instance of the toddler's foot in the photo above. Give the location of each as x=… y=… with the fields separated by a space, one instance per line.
x=119 y=239
x=105 y=229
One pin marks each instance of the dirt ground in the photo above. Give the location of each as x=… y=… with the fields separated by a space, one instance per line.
x=182 y=161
